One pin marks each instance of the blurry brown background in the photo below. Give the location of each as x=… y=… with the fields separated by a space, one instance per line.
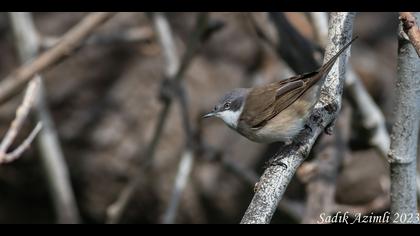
x=104 y=100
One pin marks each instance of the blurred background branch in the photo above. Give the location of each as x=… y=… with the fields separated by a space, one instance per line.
x=52 y=156
x=174 y=73
x=69 y=42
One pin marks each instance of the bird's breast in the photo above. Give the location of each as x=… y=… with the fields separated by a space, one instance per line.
x=281 y=128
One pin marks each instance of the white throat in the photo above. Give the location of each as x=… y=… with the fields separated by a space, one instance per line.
x=231 y=118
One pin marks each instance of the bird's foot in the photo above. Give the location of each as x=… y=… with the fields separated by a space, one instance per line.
x=329 y=130
x=275 y=162
x=308 y=128
x=256 y=187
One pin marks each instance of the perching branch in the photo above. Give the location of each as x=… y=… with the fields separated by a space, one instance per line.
x=320 y=175
x=411 y=28
x=15 y=81
x=405 y=131
x=174 y=73
x=276 y=178
x=371 y=116
x=28 y=45
x=21 y=115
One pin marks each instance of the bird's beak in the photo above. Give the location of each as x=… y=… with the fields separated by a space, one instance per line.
x=211 y=114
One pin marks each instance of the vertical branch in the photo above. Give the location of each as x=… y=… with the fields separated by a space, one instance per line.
x=275 y=179
x=28 y=45
x=404 y=138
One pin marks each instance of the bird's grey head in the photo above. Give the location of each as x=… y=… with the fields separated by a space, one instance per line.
x=230 y=107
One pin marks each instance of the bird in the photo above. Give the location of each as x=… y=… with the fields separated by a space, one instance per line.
x=277 y=111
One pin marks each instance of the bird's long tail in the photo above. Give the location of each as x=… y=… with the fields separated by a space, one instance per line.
x=327 y=66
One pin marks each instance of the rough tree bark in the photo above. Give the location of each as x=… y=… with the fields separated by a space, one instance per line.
x=403 y=152
x=275 y=179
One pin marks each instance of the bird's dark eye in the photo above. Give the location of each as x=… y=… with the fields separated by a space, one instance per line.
x=227 y=105
x=215 y=108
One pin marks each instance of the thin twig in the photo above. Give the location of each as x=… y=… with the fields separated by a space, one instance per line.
x=404 y=138
x=21 y=115
x=52 y=156
x=70 y=42
x=411 y=28
x=276 y=178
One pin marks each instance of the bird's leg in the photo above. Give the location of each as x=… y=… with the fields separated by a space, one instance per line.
x=276 y=161
x=330 y=128
x=308 y=127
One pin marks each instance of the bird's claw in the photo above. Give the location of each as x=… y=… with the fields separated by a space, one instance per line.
x=308 y=127
x=275 y=162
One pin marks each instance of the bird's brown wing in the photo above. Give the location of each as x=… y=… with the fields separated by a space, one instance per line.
x=265 y=102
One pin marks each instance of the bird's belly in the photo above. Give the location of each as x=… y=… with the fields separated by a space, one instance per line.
x=278 y=132
x=281 y=128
